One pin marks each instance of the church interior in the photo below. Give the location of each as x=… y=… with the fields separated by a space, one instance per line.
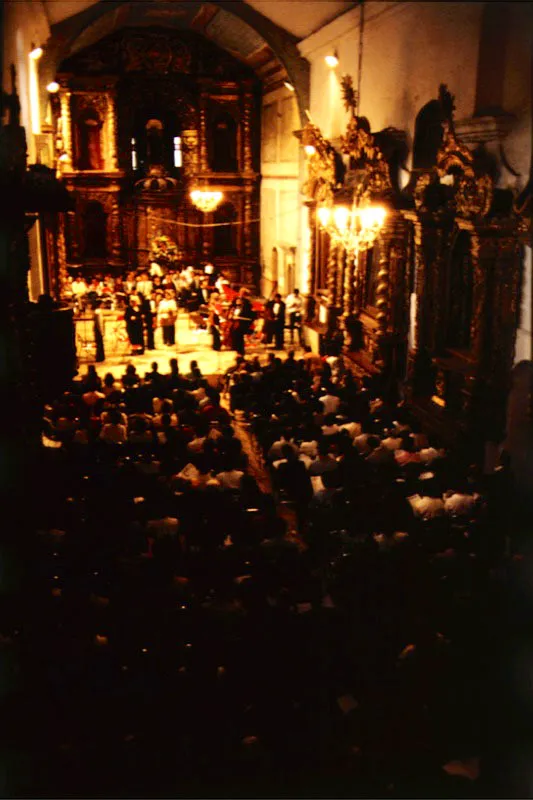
x=267 y=472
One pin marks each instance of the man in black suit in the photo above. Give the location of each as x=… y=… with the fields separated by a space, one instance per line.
x=276 y=320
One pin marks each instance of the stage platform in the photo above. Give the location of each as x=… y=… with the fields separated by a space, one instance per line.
x=191 y=343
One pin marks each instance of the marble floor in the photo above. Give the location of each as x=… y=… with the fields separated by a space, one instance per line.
x=191 y=343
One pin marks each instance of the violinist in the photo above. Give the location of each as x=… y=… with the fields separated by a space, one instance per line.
x=239 y=324
x=214 y=320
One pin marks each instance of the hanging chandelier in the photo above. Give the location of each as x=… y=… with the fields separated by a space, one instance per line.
x=354 y=228
x=205 y=200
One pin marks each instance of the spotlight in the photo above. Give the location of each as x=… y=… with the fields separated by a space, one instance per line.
x=288 y=86
x=52 y=87
x=309 y=149
x=332 y=60
x=36 y=53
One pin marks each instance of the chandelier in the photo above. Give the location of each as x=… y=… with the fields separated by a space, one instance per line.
x=206 y=200
x=354 y=228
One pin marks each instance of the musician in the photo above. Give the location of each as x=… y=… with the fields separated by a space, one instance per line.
x=134 y=324
x=144 y=285
x=148 y=312
x=294 y=308
x=167 y=312
x=275 y=310
x=239 y=324
x=205 y=292
x=214 y=320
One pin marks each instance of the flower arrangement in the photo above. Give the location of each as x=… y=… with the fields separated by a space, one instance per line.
x=164 y=251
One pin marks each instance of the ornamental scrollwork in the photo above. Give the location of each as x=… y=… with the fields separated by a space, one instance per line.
x=474 y=188
x=321 y=173
x=474 y=196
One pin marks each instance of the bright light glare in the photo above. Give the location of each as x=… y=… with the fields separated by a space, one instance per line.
x=309 y=149
x=341 y=215
x=331 y=61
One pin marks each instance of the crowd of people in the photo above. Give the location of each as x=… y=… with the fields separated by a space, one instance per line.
x=150 y=301
x=185 y=633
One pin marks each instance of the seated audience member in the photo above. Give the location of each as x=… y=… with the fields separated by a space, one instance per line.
x=114 y=431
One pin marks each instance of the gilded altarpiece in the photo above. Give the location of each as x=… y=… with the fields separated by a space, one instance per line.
x=144 y=117
x=363 y=176
x=467 y=294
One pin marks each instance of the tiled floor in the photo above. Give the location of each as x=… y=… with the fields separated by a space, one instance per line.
x=190 y=344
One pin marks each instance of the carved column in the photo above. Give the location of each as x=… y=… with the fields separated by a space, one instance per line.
x=332 y=273
x=114 y=228
x=339 y=277
x=73 y=239
x=66 y=125
x=483 y=251
x=203 y=132
x=206 y=236
x=111 y=154
x=247 y=133
x=383 y=284
x=189 y=140
x=350 y=273
x=248 y=223
x=62 y=272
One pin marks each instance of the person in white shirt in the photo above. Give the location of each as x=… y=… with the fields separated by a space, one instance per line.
x=230 y=479
x=330 y=403
x=114 y=432
x=294 y=308
x=155 y=270
x=167 y=312
x=144 y=286
x=79 y=292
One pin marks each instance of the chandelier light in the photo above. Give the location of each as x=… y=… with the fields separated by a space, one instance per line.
x=206 y=200
x=354 y=228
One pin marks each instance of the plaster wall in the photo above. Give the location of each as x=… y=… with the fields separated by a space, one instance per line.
x=524 y=334
x=27 y=24
x=409 y=48
x=280 y=193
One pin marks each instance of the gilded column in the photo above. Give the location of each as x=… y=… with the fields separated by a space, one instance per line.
x=332 y=274
x=189 y=140
x=62 y=273
x=73 y=236
x=114 y=229
x=339 y=276
x=482 y=251
x=350 y=271
x=111 y=154
x=248 y=223
x=383 y=287
x=66 y=125
x=203 y=133
x=247 y=133
x=207 y=236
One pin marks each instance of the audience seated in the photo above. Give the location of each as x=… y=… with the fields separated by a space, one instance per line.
x=188 y=630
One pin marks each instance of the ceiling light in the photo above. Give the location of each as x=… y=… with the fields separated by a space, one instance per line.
x=332 y=60
x=288 y=86
x=36 y=52
x=52 y=87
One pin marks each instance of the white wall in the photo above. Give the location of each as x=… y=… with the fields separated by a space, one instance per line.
x=280 y=193
x=523 y=349
x=409 y=48
x=25 y=24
